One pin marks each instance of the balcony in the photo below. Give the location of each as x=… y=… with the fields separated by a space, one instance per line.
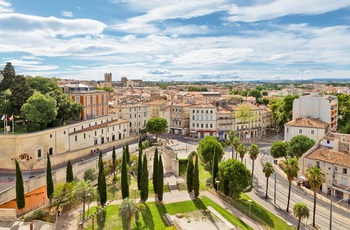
x=226 y=123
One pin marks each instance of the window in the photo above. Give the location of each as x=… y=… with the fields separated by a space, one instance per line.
x=76 y=138
x=95 y=141
x=345 y=170
x=64 y=132
x=201 y=125
x=102 y=131
x=50 y=135
x=287 y=130
x=344 y=181
x=211 y=125
x=312 y=132
x=84 y=135
x=300 y=131
x=193 y=125
x=77 y=99
x=39 y=153
x=74 y=129
x=193 y=118
x=100 y=99
x=317 y=164
x=328 y=142
x=193 y=111
x=211 y=111
x=206 y=111
x=50 y=151
x=206 y=125
x=95 y=133
x=335 y=168
x=104 y=99
x=88 y=100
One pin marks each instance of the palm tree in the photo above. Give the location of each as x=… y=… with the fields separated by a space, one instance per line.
x=241 y=149
x=234 y=141
x=84 y=190
x=127 y=210
x=253 y=152
x=267 y=170
x=300 y=211
x=315 y=177
x=291 y=168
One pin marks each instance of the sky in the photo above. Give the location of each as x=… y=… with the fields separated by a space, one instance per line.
x=177 y=40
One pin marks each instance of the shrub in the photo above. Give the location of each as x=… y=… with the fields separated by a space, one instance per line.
x=90 y=174
x=33 y=126
x=55 y=123
x=38 y=214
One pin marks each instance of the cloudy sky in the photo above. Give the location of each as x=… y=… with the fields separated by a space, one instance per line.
x=178 y=39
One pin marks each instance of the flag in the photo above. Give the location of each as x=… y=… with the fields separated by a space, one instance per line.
x=3 y=117
x=11 y=118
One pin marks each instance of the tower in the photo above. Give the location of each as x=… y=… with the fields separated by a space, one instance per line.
x=108 y=79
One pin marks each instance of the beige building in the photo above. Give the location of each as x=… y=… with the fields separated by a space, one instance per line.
x=62 y=143
x=203 y=120
x=332 y=156
x=137 y=115
x=179 y=118
x=156 y=107
x=225 y=121
x=312 y=128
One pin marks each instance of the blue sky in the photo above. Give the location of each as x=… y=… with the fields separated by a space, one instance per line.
x=177 y=40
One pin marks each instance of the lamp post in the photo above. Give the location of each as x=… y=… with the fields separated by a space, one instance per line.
x=250 y=208
x=135 y=189
x=217 y=185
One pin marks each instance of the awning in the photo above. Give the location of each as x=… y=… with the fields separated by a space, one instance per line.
x=302 y=178
x=176 y=128
x=193 y=131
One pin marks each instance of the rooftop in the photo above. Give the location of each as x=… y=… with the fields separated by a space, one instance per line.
x=308 y=122
x=326 y=154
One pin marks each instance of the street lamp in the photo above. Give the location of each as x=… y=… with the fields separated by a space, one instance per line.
x=217 y=185
x=135 y=189
x=250 y=208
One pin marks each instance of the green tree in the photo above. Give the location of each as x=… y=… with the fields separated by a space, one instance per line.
x=300 y=211
x=253 y=154
x=101 y=185
x=206 y=148
x=8 y=75
x=127 y=152
x=124 y=178
x=242 y=150
x=255 y=93
x=139 y=168
x=66 y=107
x=190 y=171
x=21 y=91
x=160 y=181
x=114 y=163
x=282 y=109
x=127 y=210
x=267 y=170
x=196 y=178
x=315 y=177
x=49 y=181
x=279 y=149
x=245 y=114
x=20 y=196
x=155 y=171
x=157 y=126
x=5 y=102
x=43 y=85
x=39 y=109
x=83 y=191
x=234 y=177
x=69 y=172
x=234 y=141
x=89 y=174
x=63 y=195
x=144 y=180
x=291 y=169
x=298 y=145
x=215 y=167
x=344 y=113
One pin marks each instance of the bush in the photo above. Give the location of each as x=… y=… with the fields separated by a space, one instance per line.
x=33 y=126
x=90 y=174
x=55 y=123
x=38 y=214
x=183 y=161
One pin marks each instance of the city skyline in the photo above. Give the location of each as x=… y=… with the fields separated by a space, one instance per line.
x=177 y=40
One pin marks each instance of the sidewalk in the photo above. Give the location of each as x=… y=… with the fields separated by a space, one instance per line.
x=69 y=220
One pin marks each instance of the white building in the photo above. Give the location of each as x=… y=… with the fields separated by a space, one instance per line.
x=324 y=108
x=137 y=115
x=312 y=128
x=203 y=120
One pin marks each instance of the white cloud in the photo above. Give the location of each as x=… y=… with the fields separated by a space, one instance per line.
x=65 y=13
x=32 y=65
x=5 y=7
x=279 y=8
x=186 y=29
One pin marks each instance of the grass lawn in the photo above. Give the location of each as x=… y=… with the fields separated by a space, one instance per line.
x=151 y=215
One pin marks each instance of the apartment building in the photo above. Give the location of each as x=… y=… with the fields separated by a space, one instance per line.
x=225 y=121
x=203 y=120
x=156 y=107
x=332 y=156
x=137 y=115
x=312 y=128
x=179 y=121
x=95 y=102
x=315 y=106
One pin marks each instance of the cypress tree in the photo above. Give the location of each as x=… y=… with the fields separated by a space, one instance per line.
x=196 y=178
x=139 y=169
x=160 y=181
x=101 y=181
x=114 y=163
x=215 y=167
x=20 y=198
x=69 y=172
x=144 y=180
x=124 y=178
x=49 y=181
x=127 y=153
x=189 y=175
x=155 y=171
x=140 y=143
